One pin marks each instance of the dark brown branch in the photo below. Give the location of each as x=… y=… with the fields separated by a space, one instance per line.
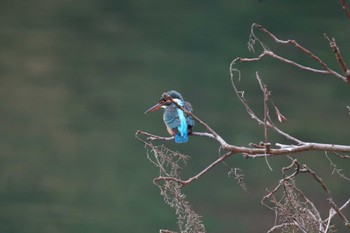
x=339 y=57
x=267 y=52
x=345 y=8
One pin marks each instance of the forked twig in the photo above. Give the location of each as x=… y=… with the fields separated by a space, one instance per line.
x=295 y=200
x=339 y=57
x=265 y=150
x=267 y=52
x=309 y=211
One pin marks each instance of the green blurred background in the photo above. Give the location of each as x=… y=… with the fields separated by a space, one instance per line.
x=77 y=76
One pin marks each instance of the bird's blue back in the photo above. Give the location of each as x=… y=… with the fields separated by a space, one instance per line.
x=175 y=119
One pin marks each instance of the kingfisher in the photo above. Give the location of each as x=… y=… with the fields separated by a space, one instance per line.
x=178 y=123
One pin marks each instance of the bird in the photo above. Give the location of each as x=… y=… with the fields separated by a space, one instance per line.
x=178 y=123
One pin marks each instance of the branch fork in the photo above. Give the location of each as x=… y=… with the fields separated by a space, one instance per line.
x=170 y=181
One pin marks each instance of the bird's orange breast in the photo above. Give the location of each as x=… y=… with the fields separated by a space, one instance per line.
x=170 y=131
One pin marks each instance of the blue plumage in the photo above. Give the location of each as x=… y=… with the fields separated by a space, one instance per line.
x=177 y=122
x=182 y=135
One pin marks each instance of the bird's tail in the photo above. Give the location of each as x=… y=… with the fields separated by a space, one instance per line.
x=182 y=134
x=181 y=138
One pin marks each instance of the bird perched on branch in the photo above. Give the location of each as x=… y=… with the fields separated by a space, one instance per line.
x=178 y=123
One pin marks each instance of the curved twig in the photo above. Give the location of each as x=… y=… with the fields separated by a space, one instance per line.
x=268 y=52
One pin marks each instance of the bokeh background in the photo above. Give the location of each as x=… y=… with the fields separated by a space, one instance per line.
x=77 y=76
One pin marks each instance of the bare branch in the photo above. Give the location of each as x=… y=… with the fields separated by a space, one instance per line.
x=336 y=170
x=343 y=156
x=214 y=135
x=152 y=137
x=266 y=94
x=280 y=226
x=294 y=210
x=301 y=213
x=196 y=177
x=169 y=182
x=166 y=231
x=239 y=176
x=332 y=212
x=264 y=150
x=339 y=57
x=251 y=112
x=261 y=152
x=328 y=193
x=345 y=8
x=267 y=52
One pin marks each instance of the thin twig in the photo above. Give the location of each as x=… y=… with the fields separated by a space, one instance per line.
x=197 y=176
x=267 y=52
x=339 y=57
x=280 y=226
x=170 y=182
x=251 y=112
x=345 y=8
x=332 y=212
x=336 y=170
x=328 y=193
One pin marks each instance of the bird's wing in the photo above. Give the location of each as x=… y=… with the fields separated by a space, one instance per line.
x=189 y=119
x=171 y=118
x=175 y=119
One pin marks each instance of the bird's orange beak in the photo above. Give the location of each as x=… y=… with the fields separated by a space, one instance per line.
x=154 y=108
